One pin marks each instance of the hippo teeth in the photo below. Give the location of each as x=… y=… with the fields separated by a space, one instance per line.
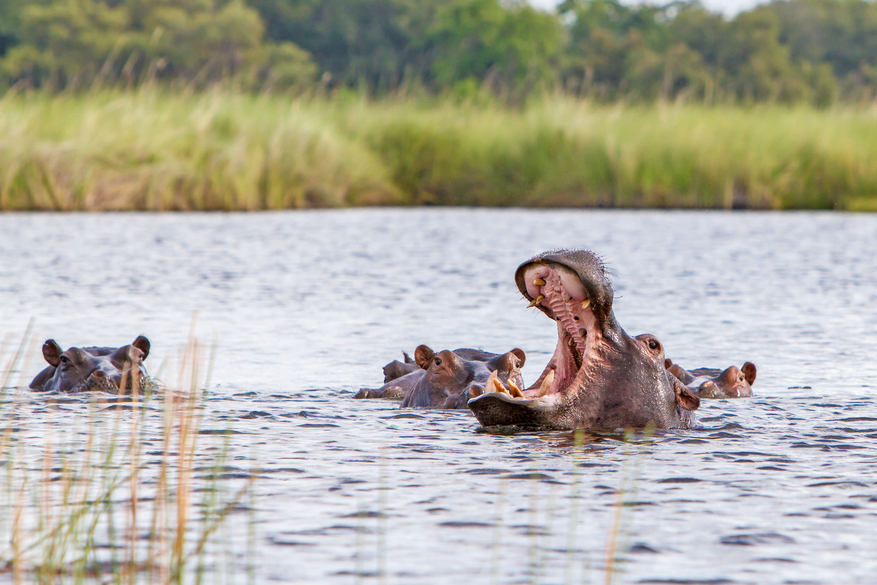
x=576 y=355
x=494 y=384
x=586 y=303
x=547 y=381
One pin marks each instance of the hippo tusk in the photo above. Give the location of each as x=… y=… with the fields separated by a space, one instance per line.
x=586 y=303
x=539 y=282
x=546 y=384
x=491 y=384
x=536 y=301
x=499 y=386
x=514 y=390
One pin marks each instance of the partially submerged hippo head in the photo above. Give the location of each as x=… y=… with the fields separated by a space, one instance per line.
x=733 y=382
x=451 y=378
x=396 y=369
x=104 y=369
x=599 y=376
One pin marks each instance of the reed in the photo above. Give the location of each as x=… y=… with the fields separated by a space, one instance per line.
x=84 y=504
x=151 y=150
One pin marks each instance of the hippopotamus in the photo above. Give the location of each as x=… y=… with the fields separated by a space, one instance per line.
x=599 y=376
x=82 y=369
x=733 y=382
x=396 y=369
x=451 y=378
x=448 y=379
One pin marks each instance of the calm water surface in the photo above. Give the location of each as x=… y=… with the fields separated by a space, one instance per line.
x=306 y=307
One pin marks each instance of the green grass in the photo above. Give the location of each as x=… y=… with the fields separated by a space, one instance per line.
x=151 y=150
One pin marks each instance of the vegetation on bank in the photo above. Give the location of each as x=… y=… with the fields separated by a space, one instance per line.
x=151 y=150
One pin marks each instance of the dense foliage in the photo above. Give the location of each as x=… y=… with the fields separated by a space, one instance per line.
x=812 y=51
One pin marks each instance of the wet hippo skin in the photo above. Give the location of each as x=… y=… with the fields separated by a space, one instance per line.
x=599 y=376
x=448 y=379
x=84 y=369
x=732 y=382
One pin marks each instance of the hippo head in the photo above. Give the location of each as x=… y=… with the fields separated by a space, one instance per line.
x=730 y=383
x=92 y=368
x=450 y=379
x=599 y=376
x=396 y=369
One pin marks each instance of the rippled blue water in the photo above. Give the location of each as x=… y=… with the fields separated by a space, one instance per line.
x=307 y=306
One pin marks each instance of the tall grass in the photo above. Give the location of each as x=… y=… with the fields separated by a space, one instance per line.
x=151 y=150
x=104 y=489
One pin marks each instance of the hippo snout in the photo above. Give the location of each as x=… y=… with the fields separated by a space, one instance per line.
x=709 y=390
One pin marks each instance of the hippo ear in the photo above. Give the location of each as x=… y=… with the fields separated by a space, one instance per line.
x=685 y=398
x=668 y=363
x=423 y=356
x=749 y=372
x=52 y=352
x=507 y=361
x=407 y=359
x=142 y=344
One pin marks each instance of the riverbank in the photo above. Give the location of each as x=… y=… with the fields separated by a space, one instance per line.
x=149 y=150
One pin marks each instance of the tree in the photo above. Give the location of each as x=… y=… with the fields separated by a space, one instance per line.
x=69 y=43
x=506 y=48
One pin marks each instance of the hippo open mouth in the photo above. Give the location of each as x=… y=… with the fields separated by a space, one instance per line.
x=598 y=376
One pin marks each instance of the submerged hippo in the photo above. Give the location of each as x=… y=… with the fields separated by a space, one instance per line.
x=733 y=382
x=82 y=369
x=448 y=379
x=599 y=376
x=396 y=369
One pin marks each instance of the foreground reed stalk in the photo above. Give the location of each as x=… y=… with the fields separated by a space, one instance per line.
x=82 y=505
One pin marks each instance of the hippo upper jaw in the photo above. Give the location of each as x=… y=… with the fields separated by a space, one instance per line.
x=598 y=376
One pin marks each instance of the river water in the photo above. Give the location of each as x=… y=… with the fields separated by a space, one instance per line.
x=305 y=308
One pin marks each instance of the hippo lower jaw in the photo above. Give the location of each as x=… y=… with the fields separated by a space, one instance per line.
x=499 y=408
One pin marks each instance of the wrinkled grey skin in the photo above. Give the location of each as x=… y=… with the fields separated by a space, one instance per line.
x=732 y=382
x=450 y=380
x=602 y=377
x=88 y=369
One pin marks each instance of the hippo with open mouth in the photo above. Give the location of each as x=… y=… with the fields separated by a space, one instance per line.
x=88 y=369
x=599 y=376
x=732 y=382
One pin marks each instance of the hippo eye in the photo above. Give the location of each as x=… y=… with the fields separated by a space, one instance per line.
x=64 y=359
x=653 y=344
x=438 y=361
